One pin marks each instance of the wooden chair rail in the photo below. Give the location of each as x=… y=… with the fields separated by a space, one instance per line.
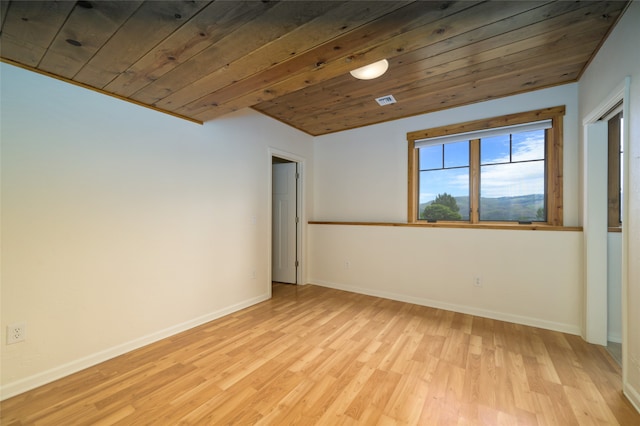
x=493 y=225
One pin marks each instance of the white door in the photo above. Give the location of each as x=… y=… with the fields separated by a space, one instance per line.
x=283 y=267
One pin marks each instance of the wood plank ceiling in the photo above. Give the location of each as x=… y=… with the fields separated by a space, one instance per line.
x=291 y=59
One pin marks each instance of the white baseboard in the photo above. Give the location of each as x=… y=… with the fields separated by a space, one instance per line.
x=501 y=316
x=615 y=338
x=32 y=382
x=632 y=395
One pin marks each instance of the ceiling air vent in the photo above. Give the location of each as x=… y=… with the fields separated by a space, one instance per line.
x=386 y=100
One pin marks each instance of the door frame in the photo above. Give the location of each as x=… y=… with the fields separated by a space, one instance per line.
x=620 y=93
x=300 y=207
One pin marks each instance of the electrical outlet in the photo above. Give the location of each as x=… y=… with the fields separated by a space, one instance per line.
x=477 y=281
x=347 y=264
x=16 y=333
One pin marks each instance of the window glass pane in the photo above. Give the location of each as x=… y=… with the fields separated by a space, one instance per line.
x=528 y=146
x=456 y=154
x=430 y=157
x=494 y=149
x=512 y=192
x=441 y=186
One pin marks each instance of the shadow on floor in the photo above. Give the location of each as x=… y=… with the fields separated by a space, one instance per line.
x=615 y=349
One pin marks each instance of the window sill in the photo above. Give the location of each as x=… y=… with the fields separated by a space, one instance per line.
x=494 y=225
x=615 y=229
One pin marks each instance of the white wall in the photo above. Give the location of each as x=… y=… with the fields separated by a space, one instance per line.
x=529 y=277
x=594 y=222
x=614 y=287
x=121 y=225
x=620 y=57
x=361 y=174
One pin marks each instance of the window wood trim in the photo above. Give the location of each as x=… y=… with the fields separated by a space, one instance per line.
x=488 y=123
x=553 y=164
x=511 y=226
x=613 y=189
x=412 y=183
x=474 y=181
x=553 y=161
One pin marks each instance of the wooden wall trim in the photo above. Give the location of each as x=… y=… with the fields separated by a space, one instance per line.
x=555 y=179
x=497 y=225
x=412 y=184
x=613 y=187
x=488 y=123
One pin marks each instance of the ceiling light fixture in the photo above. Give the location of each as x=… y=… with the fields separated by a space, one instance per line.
x=371 y=71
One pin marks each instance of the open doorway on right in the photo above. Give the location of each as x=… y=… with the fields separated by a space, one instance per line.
x=615 y=193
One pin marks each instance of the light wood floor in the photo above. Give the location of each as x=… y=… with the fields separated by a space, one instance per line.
x=313 y=355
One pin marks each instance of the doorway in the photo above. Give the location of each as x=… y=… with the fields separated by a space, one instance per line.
x=285 y=234
x=615 y=195
x=606 y=236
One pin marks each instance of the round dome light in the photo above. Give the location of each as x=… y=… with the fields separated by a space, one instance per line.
x=371 y=71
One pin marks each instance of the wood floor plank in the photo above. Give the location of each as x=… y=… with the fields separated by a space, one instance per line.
x=317 y=356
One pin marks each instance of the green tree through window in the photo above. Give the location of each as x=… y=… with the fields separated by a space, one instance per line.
x=444 y=207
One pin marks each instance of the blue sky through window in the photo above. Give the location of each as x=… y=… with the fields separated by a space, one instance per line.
x=496 y=181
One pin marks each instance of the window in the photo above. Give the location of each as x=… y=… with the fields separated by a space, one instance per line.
x=616 y=150
x=444 y=181
x=504 y=169
x=512 y=177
